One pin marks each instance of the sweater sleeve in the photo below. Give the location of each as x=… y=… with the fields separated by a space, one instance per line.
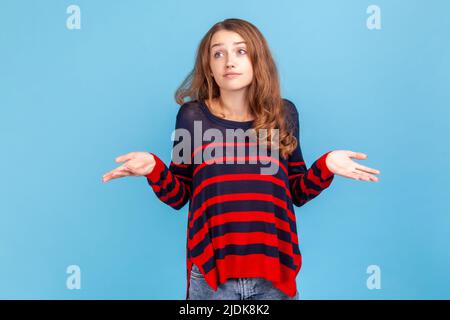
x=305 y=184
x=173 y=184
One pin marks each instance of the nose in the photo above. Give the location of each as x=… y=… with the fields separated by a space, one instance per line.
x=230 y=62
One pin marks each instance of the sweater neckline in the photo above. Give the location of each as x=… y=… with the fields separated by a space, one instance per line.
x=225 y=122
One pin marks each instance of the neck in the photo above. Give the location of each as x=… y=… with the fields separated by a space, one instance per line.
x=234 y=105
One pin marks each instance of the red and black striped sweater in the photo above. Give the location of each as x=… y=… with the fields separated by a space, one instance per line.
x=241 y=223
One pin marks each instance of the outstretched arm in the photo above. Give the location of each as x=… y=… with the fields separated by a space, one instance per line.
x=306 y=184
x=172 y=185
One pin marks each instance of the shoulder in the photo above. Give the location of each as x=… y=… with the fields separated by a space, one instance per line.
x=291 y=113
x=187 y=113
x=189 y=110
x=290 y=107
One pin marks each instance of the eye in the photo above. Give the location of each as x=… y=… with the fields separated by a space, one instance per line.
x=242 y=50
x=215 y=54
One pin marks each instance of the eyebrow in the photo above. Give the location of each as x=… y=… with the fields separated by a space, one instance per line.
x=221 y=44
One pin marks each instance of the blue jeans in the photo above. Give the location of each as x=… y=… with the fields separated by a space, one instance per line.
x=234 y=289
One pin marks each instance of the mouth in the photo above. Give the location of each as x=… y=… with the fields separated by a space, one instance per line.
x=232 y=75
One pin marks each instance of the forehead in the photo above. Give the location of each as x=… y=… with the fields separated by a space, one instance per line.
x=225 y=37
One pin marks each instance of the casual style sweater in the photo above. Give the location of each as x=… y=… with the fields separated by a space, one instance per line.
x=241 y=223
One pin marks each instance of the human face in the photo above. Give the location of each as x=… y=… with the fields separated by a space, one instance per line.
x=228 y=54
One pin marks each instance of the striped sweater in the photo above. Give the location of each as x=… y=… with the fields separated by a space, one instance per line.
x=241 y=223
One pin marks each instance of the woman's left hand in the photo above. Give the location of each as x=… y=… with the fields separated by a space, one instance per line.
x=339 y=162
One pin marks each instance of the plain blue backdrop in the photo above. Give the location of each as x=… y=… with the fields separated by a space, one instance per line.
x=73 y=100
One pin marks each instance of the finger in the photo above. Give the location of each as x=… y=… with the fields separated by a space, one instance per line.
x=121 y=169
x=365 y=176
x=357 y=155
x=367 y=169
x=112 y=171
x=356 y=175
x=110 y=174
x=107 y=176
x=118 y=174
x=352 y=176
x=125 y=157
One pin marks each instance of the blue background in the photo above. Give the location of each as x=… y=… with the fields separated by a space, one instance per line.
x=73 y=100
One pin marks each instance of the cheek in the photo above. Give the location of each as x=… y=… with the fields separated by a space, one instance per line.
x=249 y=71
x=249 y=67
x=215 y=66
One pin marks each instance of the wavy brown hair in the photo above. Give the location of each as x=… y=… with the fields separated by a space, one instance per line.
x=263 y=94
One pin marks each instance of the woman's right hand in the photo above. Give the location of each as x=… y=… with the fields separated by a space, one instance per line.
x=137 y=164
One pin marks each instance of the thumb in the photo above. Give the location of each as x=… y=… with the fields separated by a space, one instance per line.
x=358 y=155
x=125 y=157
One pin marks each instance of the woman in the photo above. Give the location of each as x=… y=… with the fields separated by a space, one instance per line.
x=242 y=239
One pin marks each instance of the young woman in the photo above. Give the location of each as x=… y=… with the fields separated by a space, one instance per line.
x=242 y=238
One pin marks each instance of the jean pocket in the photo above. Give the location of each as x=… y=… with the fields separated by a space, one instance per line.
x=195 y=272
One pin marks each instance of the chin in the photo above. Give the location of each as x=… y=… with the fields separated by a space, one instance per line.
x=234 y=87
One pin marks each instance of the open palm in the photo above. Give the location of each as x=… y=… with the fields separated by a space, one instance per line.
x=136 y=164
x=339 y=162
